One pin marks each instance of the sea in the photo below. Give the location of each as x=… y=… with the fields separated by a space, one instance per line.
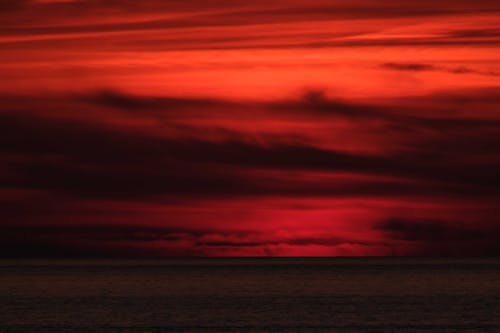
x=375 y=294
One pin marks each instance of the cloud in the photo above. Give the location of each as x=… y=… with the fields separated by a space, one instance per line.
x=429 y=230
x=125 y=101
x=9 y=6
x=138 y=241
x=412 y=67
x=108 y=146
x=92 y=158
x=216 y=25
x=427 y=236
x=476 y=33
x=203 y=142
x=87 y=241
x=317 y=102
x=422 y=67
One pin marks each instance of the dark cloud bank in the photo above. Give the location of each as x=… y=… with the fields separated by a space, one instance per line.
x=78 y=158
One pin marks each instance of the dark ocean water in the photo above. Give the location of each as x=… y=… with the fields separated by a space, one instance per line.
x=251 y=295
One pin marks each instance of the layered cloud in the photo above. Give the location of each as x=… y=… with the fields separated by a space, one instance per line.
x=226 y=128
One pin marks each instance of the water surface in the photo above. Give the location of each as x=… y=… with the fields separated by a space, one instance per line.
x=251 y=295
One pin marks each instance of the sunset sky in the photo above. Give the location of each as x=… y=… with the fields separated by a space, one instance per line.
x=249 y=128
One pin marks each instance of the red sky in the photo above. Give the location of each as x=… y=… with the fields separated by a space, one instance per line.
x=287 y=128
